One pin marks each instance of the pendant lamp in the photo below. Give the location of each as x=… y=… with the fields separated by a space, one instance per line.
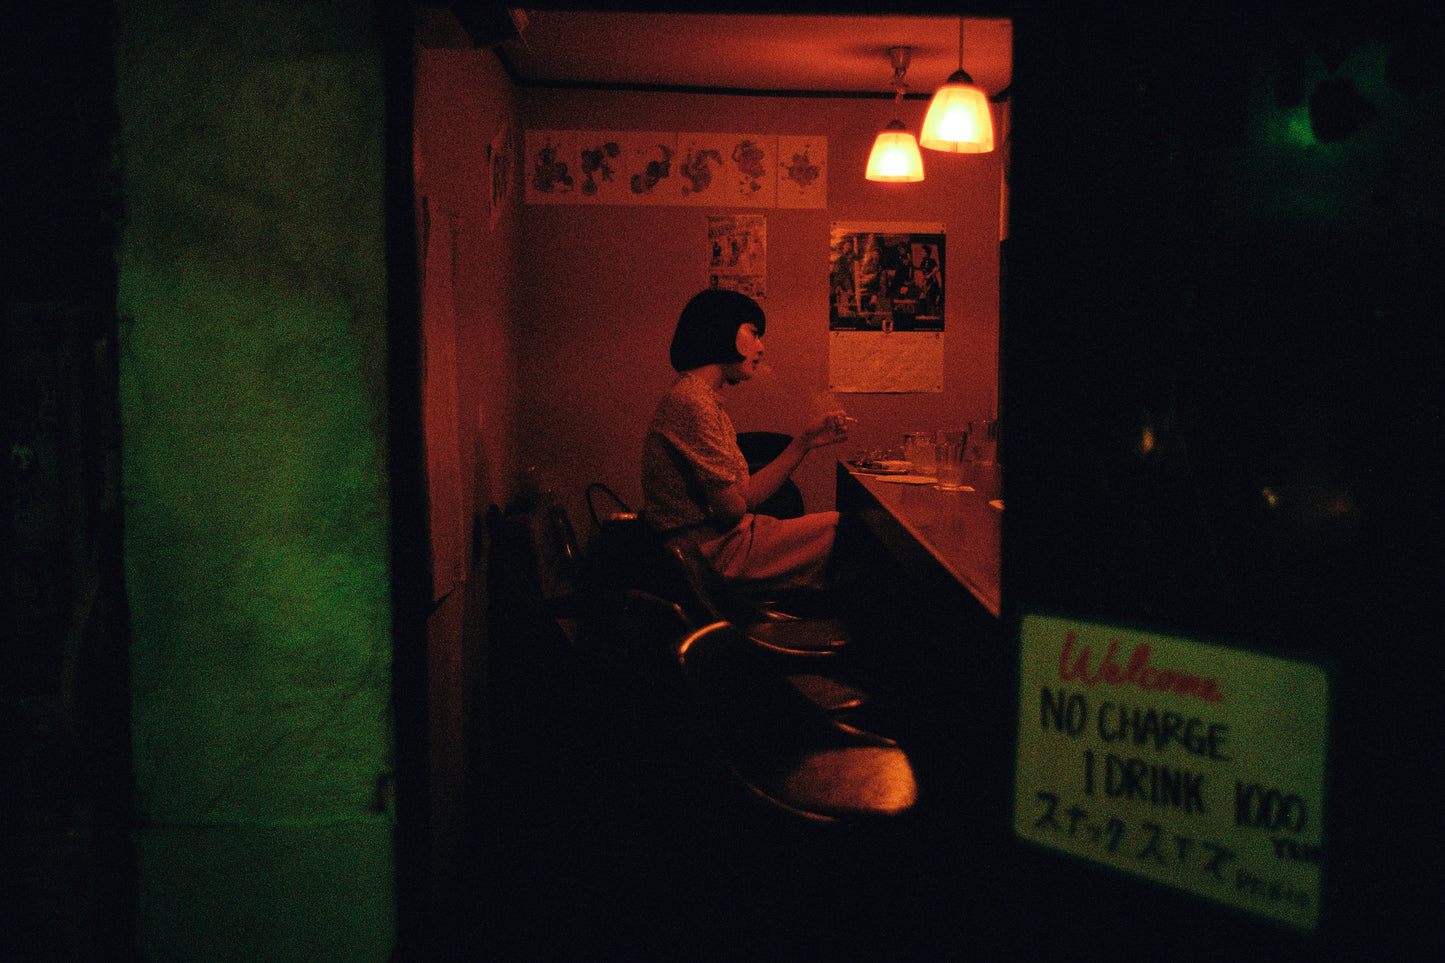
x=958 y=118
x=895 y=156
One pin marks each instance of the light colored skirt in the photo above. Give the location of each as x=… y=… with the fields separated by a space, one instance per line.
x=772 y=552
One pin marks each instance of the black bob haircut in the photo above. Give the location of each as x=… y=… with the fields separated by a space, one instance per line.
x=707 y=329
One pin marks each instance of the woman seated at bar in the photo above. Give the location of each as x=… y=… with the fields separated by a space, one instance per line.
x=695 y=481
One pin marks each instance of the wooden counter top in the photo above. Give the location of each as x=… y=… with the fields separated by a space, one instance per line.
x=957 y=531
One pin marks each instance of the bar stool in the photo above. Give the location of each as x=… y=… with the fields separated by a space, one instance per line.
x=626 y=553
x=780 y=748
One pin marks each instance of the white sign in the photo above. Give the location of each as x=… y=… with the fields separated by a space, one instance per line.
x=1197 y=766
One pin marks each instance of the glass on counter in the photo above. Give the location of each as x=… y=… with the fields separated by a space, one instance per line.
x=918 y=449
x=950 y=455
x=983 y=441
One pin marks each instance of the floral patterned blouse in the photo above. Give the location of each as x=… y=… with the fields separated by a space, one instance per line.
x=690 y=447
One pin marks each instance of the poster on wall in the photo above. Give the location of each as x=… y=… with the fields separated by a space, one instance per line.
x=886 y=291
x=1197 y=766
x=731 y=170
x=601 y=167
x=738 y=253
x=501 y=158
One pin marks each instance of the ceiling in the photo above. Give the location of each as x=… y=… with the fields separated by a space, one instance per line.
x=815 y=53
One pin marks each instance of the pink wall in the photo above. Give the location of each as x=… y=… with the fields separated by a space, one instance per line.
x=599 y=290
x=462 y=99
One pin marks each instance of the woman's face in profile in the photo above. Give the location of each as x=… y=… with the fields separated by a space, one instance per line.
x=750 y=345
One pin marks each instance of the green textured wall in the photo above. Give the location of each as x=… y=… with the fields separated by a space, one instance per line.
x=252 y=297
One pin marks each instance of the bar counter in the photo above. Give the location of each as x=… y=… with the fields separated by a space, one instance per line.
x=935 y=642
x=938 y=534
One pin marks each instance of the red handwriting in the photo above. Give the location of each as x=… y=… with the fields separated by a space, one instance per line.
x=1138 y=672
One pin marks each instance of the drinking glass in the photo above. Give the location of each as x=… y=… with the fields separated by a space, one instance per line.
x=983 y=440
x=918 y=449
x=949 y=454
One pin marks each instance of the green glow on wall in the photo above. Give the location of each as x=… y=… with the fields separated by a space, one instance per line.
x=1297 y=131
x=257 y=549
x=1373 y=169
x=252 y=273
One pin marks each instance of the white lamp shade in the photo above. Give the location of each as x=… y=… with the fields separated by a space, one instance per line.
x=958 y=119
x=895 y=156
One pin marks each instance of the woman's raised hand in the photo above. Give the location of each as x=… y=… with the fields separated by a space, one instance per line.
x=828 y=429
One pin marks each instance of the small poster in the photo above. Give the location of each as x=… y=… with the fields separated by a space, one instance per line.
x=886 y=307
x=501 y=162
x=1197 y=766
x=738 y=253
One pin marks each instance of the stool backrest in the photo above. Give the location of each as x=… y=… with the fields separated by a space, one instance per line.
x=760 y=448
x=537 y=536
x=745 y=704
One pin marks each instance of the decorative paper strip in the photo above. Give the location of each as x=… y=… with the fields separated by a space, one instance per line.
x=695 y=169
x=754 y=169
x=703 y=169
x=551 y=167
x=501 y=164
x=602 y=174
x=802 y=171
x=651 y=164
